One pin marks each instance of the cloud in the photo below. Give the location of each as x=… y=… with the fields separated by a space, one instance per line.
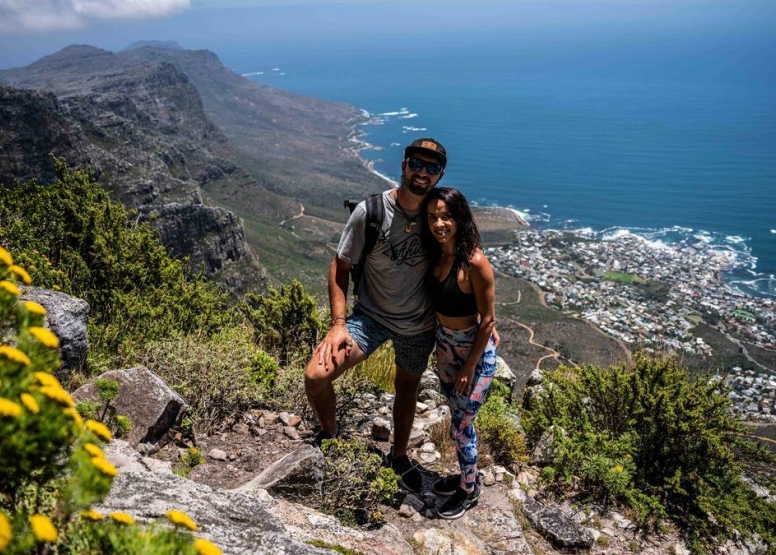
x=48 y=15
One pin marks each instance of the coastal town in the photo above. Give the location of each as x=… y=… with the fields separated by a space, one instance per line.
x=649 y=295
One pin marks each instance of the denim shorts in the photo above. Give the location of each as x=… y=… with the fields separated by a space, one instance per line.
x=412 y=351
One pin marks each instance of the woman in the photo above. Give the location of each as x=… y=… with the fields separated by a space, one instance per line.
x=461 y=285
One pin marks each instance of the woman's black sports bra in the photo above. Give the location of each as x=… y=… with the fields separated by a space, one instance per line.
x=447 y=297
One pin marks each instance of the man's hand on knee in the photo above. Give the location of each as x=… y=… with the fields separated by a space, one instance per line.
x=330 y=351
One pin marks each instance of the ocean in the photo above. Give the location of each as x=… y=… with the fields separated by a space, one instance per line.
x=664 y=127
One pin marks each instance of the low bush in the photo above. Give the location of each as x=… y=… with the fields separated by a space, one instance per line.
x=52 y=467
x=285 y=321
x=355 y=482
x=220 y=375
x=498 y=430
x=648 y=436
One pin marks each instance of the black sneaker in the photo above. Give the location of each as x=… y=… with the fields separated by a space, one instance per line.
x=460 y=502
x=448 y=485
x=409 y=475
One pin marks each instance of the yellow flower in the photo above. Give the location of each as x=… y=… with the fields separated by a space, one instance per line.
x=122 y=518
x=204 y=547
x=44 y=336
x=618 y=468
x=5 y=526
x=30 y=402
x=10 y=288
x=92 y=515
x=72 y=413
x=21 y=273
x=14 y=355
x=46 y=379
x=99 y=429
x=93 y=450
x=34 y=308
x=9 y=408
x=104 y=466
x=179 y=517
x=5 y=257
x=56 y=393
x=43 y=529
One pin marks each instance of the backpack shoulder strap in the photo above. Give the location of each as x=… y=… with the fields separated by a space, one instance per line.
x=375 y=212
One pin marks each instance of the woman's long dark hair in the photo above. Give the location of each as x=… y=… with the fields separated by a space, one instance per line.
x=467 y=237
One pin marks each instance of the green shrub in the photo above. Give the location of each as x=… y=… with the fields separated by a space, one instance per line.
x=189 y=460
x=648 y=436
x=52 y=468
x=103 y=411
x=220 y=375
x=497 y=428
x=285 y=320
x=79 y=241
x=355 y=482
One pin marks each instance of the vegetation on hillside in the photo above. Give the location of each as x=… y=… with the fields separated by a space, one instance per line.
x=52 y=466
x=642 y=435
x=72 y=237
x=647 y=436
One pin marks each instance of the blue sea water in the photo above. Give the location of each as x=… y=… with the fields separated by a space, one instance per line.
x=661 y=127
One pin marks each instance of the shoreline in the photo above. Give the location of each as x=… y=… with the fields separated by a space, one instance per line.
x=523 y=221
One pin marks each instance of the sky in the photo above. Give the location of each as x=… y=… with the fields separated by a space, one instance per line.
x=31 y=29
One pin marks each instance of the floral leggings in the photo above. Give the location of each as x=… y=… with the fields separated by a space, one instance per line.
x=452 y=349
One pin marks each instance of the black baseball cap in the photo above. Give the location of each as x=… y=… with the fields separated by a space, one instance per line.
x=431 y=147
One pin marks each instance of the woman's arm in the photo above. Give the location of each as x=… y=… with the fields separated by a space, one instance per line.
x=484 y=287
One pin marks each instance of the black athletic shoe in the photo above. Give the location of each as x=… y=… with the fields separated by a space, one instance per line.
x=408 y=473
x=448 y=485
x=460 y=502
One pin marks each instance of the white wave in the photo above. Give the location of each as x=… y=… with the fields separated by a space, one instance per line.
x=704 y=237
x=734 y=239
x=773 y=231
x=250 y=73
x=400 y=112
x=682 y=229
x=282 y=73
x=521 y=214
x=409 y=116
x=395 y=144
x=275 y=69
x=408 y=128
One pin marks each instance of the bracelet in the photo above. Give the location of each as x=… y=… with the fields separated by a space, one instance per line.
x=334 y=320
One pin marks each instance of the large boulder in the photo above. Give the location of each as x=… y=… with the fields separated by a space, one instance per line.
x=297 y=477
x=151 y=406
x=67 y=318
x=238 y=523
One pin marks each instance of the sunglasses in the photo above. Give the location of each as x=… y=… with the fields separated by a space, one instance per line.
x=416 y=164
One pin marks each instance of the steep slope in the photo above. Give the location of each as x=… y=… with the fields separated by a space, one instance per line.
x=293 y=145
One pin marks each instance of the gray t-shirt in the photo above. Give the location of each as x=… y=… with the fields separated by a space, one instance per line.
x=392 y=290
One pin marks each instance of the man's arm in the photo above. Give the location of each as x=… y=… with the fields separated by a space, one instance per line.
x=337 y=337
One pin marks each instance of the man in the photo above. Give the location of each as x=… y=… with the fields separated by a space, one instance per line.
x=392 y=303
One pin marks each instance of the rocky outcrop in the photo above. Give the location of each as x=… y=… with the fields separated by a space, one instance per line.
x=151 y=406
x=143 y=131
x=66 y=316
x=237 y=522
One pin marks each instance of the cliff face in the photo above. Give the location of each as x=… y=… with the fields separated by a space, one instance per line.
x=142 y=129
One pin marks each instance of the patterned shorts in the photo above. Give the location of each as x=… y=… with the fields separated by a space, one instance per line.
x=412 y=351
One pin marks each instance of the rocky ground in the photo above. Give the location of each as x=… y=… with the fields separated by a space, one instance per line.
x=512 y=515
